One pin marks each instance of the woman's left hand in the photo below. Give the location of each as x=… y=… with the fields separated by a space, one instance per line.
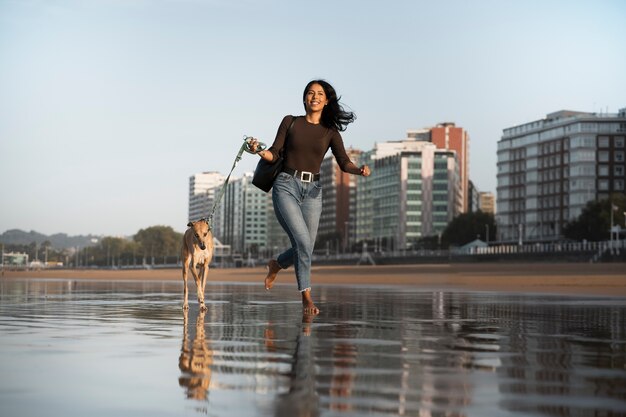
x=365 y=171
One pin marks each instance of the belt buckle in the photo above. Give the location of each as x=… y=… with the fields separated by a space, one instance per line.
x=307 y=175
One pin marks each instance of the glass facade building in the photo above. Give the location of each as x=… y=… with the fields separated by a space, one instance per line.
x=549 y=169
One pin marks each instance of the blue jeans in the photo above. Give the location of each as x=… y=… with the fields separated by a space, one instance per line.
x=298 y=206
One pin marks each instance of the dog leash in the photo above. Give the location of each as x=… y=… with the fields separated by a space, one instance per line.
x=245 y=147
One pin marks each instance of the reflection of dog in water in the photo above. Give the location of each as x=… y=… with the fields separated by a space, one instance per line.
x=197 y=250
x=195 y=360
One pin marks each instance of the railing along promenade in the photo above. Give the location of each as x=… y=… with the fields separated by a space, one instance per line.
x=548 y=252
x=556 y=252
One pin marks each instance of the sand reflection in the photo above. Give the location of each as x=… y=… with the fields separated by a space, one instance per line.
x=196 y=359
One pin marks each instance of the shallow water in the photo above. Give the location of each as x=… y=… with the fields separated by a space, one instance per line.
x=78 y=348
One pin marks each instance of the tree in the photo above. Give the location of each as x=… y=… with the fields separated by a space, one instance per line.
x=467 y=227
x=594 y=222
x=155 y=241
x=159 y=241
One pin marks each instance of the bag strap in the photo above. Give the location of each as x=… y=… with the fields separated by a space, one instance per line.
x=293 y=120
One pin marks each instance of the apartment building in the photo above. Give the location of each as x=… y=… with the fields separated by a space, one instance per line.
x=414 y=191
x=487 y=202
x=337 y=226
x=549 y=169
x=203 y=190
x=453 y=138
x=473 y=198
x=249 y=223
x=450 y=137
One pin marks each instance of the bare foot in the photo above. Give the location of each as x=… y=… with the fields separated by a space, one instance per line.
x=272 y=271
x=308 y=307
x=307 y=320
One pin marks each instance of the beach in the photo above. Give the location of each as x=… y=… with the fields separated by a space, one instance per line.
x=474 y=340
x=607 y=279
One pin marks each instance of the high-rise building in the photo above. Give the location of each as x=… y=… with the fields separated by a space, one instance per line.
x=413 y=192
x=203 y=190
x=450 y=137
x=338 y=219
x=549 y=169
x=249 y=223
x=473 y=198
x=487 y=202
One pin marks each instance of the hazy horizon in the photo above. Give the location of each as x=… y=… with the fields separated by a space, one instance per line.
x=109 y=106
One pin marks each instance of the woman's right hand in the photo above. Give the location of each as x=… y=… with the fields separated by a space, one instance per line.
x=253 y=145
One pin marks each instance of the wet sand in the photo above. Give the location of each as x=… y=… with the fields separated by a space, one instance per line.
x=566 y=278
x=105 y=348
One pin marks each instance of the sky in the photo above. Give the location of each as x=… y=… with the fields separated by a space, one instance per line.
x=107 y=107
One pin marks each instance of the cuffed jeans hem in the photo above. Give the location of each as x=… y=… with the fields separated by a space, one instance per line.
x=306 y=289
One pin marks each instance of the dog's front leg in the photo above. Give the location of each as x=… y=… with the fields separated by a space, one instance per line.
x=199 y=287
x=205 y=273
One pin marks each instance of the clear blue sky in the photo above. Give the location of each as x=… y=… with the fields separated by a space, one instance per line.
x=108 y=106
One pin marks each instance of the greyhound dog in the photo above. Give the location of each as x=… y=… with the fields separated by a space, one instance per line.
x=197 y=250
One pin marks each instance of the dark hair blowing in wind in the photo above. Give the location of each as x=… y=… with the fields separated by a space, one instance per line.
x=333 y=116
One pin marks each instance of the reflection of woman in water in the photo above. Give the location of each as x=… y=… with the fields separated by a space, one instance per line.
x=195 y=361
x=302 y=398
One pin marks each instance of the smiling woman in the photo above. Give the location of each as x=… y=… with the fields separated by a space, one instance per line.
x=297 y=193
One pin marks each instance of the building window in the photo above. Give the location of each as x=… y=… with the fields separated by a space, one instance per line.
x=619 y=142
x=619 y=156
x=603 y=156
x=603 y=170
x=618 y=185
x=603 y=142
x=618 y=170
x=603 y=185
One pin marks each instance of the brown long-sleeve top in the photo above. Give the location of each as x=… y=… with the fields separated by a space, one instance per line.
x=307 y=144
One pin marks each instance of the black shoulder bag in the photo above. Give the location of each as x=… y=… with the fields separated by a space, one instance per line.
x=266 y=172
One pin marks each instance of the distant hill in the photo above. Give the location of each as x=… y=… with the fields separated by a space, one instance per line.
x=58 y=240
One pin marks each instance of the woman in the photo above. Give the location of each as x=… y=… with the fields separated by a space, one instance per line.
x=297 y=194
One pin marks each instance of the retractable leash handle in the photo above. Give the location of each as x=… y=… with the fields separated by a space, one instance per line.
x=260 y=145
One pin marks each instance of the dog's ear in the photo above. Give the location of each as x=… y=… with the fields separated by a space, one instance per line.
x=206 y=220
x=190 y=224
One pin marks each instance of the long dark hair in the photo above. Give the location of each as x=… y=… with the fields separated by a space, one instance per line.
x=333 y=116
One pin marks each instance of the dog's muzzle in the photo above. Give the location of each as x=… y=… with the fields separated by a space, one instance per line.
x=202 y=246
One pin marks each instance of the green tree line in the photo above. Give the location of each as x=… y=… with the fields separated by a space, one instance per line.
x=153 y=246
